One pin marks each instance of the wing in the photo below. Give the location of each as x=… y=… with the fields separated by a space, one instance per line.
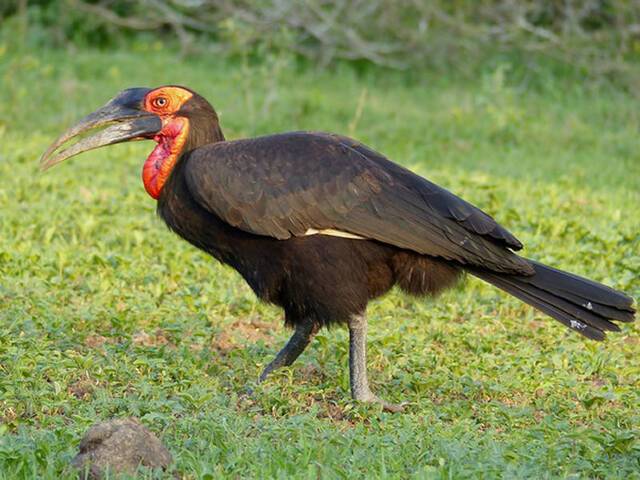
x=283 y=185
x=441 y=200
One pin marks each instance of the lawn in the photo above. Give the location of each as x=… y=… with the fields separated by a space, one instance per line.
x=104 y=313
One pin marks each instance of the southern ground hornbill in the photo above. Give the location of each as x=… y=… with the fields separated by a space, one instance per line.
x=320 y=224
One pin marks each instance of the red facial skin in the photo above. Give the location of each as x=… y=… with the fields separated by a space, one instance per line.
x=165 y=102
x=162 y=159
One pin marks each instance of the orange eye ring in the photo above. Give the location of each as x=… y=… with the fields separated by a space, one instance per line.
x=160 y=102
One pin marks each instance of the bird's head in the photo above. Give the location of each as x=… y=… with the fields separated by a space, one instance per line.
x=176 y=118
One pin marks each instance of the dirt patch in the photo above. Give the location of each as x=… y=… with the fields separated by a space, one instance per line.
x=329 y=409
x=96 y=341
x=253 y=330
x=241 y=333
x=536 y=325
x=516 y=399
x=333 y=412
x=312 y=373
x=224 y=342
x=81 y=389
x=144 y=339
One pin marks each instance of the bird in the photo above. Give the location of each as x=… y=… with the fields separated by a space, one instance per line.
x=319 y=224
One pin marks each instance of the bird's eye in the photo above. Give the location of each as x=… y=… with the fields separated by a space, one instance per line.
x=160 y=102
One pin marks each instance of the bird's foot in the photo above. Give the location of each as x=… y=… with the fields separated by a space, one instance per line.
x=265 y=373
x=369 y=397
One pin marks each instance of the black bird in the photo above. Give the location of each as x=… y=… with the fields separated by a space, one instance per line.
x=320 y=224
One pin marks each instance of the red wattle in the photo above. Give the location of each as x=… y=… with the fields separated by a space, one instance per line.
x=162 y=159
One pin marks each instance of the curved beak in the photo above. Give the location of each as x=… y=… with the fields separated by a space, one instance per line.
x=124 y=118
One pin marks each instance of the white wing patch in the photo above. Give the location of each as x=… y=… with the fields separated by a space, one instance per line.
x=333 y=233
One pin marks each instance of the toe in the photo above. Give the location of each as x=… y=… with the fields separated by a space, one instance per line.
x=369 y=397
x=393 y=407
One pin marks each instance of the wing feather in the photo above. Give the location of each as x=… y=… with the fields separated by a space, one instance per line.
x=283 y=185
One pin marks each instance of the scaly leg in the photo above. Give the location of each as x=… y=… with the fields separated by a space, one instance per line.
x=358 y=365
x=302 y=336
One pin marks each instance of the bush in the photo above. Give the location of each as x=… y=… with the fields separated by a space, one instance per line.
x=599 y=36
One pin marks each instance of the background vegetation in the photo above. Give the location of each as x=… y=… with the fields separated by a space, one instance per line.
x=597 y=37
x=104 y=313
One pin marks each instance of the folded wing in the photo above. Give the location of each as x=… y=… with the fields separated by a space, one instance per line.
x=283 y=185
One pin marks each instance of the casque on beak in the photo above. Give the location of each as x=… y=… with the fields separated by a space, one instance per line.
x=124 y=118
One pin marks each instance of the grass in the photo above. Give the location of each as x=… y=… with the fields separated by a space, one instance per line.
x=104 y=313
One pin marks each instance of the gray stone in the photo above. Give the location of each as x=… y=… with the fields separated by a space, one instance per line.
x=119 y=446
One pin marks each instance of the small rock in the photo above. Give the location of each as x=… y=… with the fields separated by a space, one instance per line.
x=119 y=446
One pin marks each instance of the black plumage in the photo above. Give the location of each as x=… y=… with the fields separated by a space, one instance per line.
x=320 y=224
x=418 y=235
x=282 y=185
x=319 y=278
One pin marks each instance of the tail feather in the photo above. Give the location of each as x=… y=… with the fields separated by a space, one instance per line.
x=583 y=305
x=620 y=315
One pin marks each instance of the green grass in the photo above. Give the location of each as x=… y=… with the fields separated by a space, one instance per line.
x=104 y=313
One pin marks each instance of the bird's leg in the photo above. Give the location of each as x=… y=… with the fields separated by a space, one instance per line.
x=358 y=364
x=302 y=336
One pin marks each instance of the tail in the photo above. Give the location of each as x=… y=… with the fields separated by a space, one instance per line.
x=587 y=307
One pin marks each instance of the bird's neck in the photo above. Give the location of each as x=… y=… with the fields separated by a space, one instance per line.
x=177 y=137
x=204 y=131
